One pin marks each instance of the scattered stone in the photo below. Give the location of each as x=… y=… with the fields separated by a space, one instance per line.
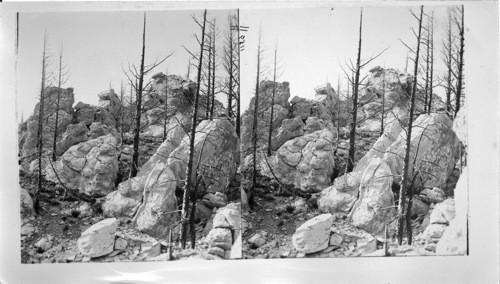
x=258 y=239
x=443 y=212
x=313 y=235
x=26 y=203
x=120 y=244
x=98 y=240
x=44 y=244
x=215 y=200
x=335 y=240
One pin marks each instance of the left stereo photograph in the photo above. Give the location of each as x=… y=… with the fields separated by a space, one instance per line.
x=128 y=135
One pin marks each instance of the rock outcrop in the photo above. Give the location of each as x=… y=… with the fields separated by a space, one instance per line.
x=26 y=203
x=280 y=112
x=28 y=139
x=90 y=167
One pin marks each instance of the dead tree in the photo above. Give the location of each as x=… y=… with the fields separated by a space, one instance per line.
x=122 y=112
x=255 y=122
x=431 y=48
x=41 y=114
x=230 y=65
x=406 y=167
x=62 y=78
x=273 y=95
x=209 y=71
x=356 y=82
x=459 y=59
x=213 y=68
x=166 y=107
x=383 y=106
x=139 y=86
x=238 y=101
x=189 y=170
x=447 y=57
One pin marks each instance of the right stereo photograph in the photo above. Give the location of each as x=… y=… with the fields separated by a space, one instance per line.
x=354 y=132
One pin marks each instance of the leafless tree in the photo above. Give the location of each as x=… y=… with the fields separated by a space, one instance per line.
x=62 y=78
x=459 y=58
x=165 y=107
x=447 y=57
x=230 y=64
x=356 y=82
x=406 y=167
x=255 y=121
x=45 y=76
x=189 y=171
x=273 y=95
x=136 y=78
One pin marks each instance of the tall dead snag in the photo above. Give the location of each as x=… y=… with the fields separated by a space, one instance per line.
x=229 y=63
x=272 y=101
x=383 y=106
x=39 y=140
x=122 y=112
x=406 y=167
x=459 y=59
x=352 y=133
x=255 y=121
x=426 y=43
x=189 y=171
x=139 y=87
x=238 y=101
x=214 y=67
x=62 y=78
x=431 y=67
x=447 y=57
x=166 y=108
x=209 y=75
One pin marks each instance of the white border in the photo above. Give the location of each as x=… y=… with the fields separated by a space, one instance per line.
x=481 y=266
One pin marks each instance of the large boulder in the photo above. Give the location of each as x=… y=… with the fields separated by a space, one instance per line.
x=436 y=147
x=313 y=235
x=341 y=196
x=373 y=208
x=85 y=113
x=90 y=167
x=75 y=133
x=99 y=239
x=215 y=157
x=307 y=162
x=215 y=153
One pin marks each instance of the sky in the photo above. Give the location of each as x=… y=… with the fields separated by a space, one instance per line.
x=96 y=45
x=313 y=43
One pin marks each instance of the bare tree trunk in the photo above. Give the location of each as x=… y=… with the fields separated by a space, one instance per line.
x=213 y=70
x=427 y=43
x=272 y=104
x=352 y=134
x=460 y=63
x=189 y=170
x=404 y=182
x=59 y=81
x=138 y=95
x=449 y=66
x=209 y=79
x=238 y=101
x=122 y=94
x=383 y=106
x=40 y=125
x=166 y=108
x=431 y=44
x=230 y=53
x=255 y=126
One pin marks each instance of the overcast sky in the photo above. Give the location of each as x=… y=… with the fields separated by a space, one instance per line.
x=97 y=44
x=313 y=43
